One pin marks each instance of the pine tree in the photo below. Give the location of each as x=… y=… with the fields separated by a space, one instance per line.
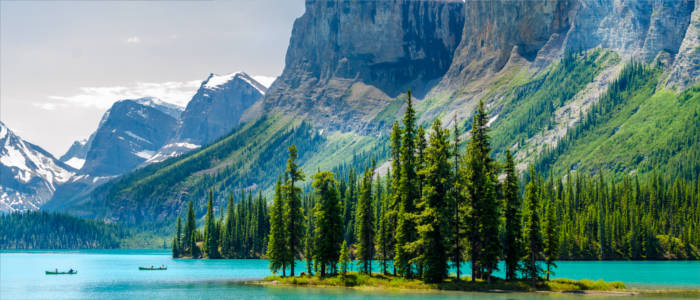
x=277 y=241
x=227 y=247
x=551 y=237
x=210 y=235
x=177 y=242
x=513 y=235
x=328 y=230
x=433 y=224
x=293 y=209
x=384 y=236
x=456 y=202
x=394 y=195
x=533 y=235
x=344 y=258
x=190 y=227
x=408 y=193
x=365 y=224
x=485 y=213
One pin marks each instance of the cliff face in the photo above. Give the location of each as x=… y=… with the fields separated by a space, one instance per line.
x=498 y=31
x=344 y=51
x=686 y=67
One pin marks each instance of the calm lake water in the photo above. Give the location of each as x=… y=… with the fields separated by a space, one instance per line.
x=114 y=274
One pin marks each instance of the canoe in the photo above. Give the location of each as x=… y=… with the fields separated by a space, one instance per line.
x=152 y=269
x=61 y=273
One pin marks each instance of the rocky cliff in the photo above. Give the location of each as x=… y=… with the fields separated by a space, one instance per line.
x=347 y=58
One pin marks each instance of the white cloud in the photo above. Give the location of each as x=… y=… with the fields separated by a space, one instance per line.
x=175 y=92
x=133 y=40
x=265 y=80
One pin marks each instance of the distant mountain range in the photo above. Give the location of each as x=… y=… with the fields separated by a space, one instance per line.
x=134 y=133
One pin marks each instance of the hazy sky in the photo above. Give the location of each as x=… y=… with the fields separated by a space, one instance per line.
x=63 y=63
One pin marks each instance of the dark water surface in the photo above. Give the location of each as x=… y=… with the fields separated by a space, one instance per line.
x=114 y=274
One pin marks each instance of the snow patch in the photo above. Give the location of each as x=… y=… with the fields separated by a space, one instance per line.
x=145 y=154
x=215 y=81
x=136 y=137
x=76 y=162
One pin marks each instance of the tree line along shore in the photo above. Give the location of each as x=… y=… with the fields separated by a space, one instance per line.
x=439 y=205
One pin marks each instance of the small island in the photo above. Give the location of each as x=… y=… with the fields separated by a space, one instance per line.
x=389 y=282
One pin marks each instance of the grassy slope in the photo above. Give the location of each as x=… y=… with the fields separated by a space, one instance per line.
x=651 y=128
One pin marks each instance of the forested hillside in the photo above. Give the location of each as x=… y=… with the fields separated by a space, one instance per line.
x=43 y=230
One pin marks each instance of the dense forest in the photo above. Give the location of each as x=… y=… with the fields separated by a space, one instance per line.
x=439 y=206
x=44 y=230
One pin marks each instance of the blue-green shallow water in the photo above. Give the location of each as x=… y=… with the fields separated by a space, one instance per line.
x=114 y=274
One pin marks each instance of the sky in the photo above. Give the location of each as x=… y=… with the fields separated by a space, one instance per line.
x=63 y=63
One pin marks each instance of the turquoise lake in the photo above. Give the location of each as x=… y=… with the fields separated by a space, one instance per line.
x=114 y=274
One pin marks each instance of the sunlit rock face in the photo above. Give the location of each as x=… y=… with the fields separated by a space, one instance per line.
x=347 y=58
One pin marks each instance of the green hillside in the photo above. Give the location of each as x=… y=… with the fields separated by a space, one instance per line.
x=247 y=158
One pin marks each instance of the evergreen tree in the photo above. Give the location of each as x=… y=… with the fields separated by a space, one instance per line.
x=227 y=247
x=344 y=258
x=551 y=237
x=433 y=224
x=513 y=235
x=277 y=241
x=293 y=209
x=190 y=228
x=365 y=224
x=484 y=213
x=210 y=235
x=177 y=242
x=394 y=195
x=328 y=230
x=456 y=203
x=384 y=224
x=408 y=193
x=533 y=236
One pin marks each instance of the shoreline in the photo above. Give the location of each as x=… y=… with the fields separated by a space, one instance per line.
x=556 y=286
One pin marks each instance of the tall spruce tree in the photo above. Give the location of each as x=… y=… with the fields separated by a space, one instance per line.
x=551 y=236
x=277 y=241
x=328 y=230
x=384 y=224
x=433 y=219
x=513 y=236
x=211 y=239
x=533 y=233
x=365 y=224
x=483 y=219
x=456 y=202
x=408 y=193
x=227 y=247
x=394 y=195
x=190 y=228
x=293 y=209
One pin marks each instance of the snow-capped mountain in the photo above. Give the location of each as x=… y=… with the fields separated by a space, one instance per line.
x=28 y=174
x=217 y=107
x=130 y=133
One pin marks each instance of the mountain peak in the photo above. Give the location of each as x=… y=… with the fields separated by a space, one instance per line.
x=216 y=81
